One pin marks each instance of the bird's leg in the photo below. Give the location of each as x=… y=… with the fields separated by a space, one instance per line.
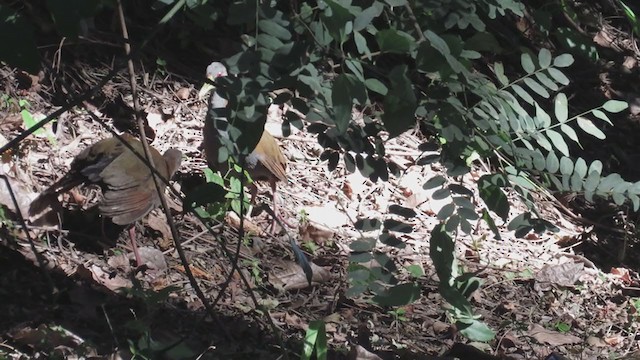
x=252 y=203
x=134 y=245
x=274 y=186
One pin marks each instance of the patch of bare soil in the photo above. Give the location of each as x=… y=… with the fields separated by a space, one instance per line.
x=541 y=298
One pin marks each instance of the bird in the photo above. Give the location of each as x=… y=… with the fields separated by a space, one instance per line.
x=266 y=162
x=127 y=187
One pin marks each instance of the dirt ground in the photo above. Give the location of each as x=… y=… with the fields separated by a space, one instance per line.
x=548 y=295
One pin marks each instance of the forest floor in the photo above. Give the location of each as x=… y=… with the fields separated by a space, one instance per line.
x=545 y=295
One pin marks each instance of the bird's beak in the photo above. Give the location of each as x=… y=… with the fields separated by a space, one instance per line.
x=205 y=89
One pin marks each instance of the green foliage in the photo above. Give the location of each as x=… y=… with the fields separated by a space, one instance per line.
x=401 y=64
x=315 y=339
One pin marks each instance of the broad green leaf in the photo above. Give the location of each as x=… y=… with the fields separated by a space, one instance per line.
x=336 y=18
x=546 y=81
x=342 y=102
x=576 y=182
x=544 y=58
x=394 y=41
x=536 y=87
x=527 y=63
x=558 y=141
x=558 y=76
x=315 y=338
x=566 y=166
x=522 y=93
x=591 y=184
x=376 y=85
x=564 y=60
x=539 y=162
x=434 y=182
x=399 y=295
x=499 y=71
x=602 y=116
x=580 y=168
x=596 y=166
x=400 y=103
x=493 y=196
x=394 y=3
x=570 y=133
x=356 y=68
x=476 y=331
x=542 y=117
x=365 y=17
x=615 y=106
x=361 y=43
x=553 y=164
x=542 y=141
x=609 y=182
x=272 y=28
x=587 y=126
x=561 y=107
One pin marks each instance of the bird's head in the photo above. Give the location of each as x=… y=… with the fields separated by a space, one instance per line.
x=214 y=70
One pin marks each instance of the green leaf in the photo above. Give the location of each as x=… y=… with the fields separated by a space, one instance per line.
x=570 y=133
x=566 y=166
x=587 y=126
x=356 y=68
x=602 y=116
x=476 y=331
x=394 y=41
x=522 y=93
x=376 y=85
x=336 y=17
x=315 y=338
x=499 y=71
x=580 y=168
x=434 y=182
x=535 y=86
x=342 y=102
x=365 y=17
x=544 y=58
x=361 y=43
x=564 y=60
x=558 y=141
x=558 y=76
x=399 y=295
x=274 y=29
x=493 y=196
x=553 y=164
x=615 y=106
x=527 y=63
x=596 y=166
x=400 y=103
x=546 y=81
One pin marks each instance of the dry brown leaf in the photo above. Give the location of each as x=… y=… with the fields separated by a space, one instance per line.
x=550 y=337
x=197 y=272
x=316 y=233
x=614 y=340
x=249 y=227
x=95 y=273
x=183 y=93
x=565 y=274
x=289 y=276
x=359 y=353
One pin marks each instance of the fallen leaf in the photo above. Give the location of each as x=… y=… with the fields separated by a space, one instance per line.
x=359 y=353
x=550 y=337
x=565 y=274
x=316 y=233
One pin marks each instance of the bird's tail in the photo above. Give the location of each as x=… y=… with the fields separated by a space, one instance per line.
x=50 y=195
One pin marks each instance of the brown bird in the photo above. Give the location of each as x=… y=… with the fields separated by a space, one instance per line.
x=128 y=189
x=265 y=163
